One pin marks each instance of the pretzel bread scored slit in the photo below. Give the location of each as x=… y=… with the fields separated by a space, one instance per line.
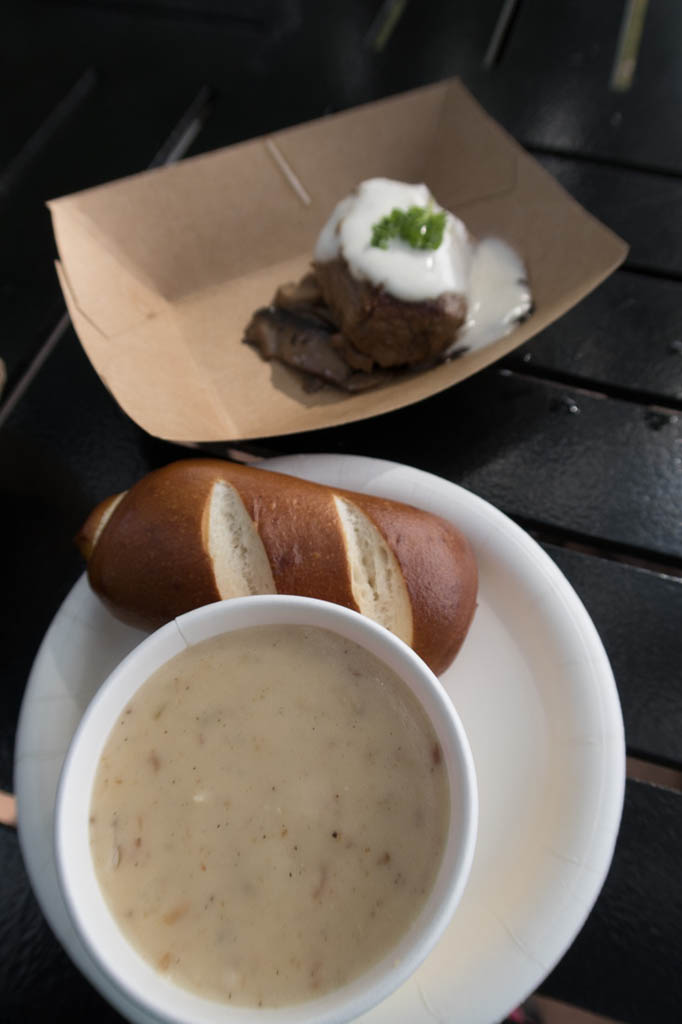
x=202 y=530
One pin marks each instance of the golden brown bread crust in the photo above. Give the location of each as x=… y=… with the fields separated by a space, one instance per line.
x=439 y=569
x=151 y=563
x=85 y=538
x=298 y=525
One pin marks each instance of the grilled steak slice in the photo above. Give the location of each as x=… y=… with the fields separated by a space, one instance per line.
x=391 y=332
x=306 y=343
x=305 y=299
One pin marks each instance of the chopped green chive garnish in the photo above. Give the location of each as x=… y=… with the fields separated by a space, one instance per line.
x=419 y=226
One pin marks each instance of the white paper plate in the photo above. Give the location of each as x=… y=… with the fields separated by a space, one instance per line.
x=535 y=692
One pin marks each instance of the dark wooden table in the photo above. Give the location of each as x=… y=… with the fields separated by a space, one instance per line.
x=577 y=436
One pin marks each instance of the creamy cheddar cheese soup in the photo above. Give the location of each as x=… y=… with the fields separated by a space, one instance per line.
x=269 y=815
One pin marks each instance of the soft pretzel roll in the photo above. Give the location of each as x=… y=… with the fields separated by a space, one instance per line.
x=201 y=530
x=439 y=571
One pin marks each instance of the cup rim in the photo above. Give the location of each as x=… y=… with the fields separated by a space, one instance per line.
x=95 y=925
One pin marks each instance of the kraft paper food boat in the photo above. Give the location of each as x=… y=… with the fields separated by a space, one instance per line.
x=162 y=271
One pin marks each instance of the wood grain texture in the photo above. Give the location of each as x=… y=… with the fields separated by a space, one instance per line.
x=626 y=335
x=622 y=963
x=644 y=209
x=552 y=87
x=637 y=614
x=572 y=460
x=38 y=982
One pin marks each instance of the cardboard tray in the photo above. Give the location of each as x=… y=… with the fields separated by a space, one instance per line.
x=162 y=271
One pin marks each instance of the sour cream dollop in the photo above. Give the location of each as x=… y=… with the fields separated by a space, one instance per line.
x=488 y=272
x=409 y=274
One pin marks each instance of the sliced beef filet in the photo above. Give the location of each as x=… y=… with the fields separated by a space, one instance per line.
x=387 y=330
x=358 y=339
x=303 y=340
x=304 y=298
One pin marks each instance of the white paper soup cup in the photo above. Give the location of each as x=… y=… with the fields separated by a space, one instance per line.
x=140 y=982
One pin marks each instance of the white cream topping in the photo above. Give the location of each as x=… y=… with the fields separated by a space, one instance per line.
x=490 y=273
x=499 y=295
x=407 y=273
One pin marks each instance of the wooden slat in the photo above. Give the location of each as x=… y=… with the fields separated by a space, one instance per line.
x=37 y=111
x=436 y=40
x=645 y=209
x=66 y=444
x=626 y=335
x=145 y=68
x=625 y=962
x=336 y=44
x=115 y=131
x=637 y=614
x=610 y=470
x=38 y=982
x=552 y=87
x=603 y=468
